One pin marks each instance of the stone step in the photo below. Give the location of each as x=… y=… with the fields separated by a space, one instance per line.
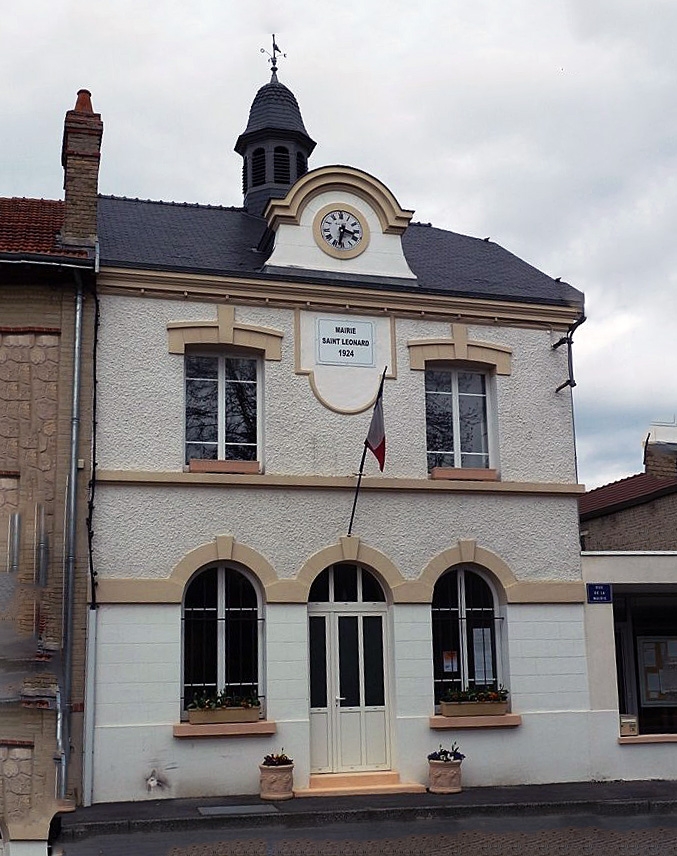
x=348 y=784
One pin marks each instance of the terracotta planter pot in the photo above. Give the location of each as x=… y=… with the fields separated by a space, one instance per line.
x=277 y=783
x=444 y=777
x=223 y=714
x=473 y=708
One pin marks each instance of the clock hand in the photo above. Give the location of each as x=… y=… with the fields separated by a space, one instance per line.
x=341 y=233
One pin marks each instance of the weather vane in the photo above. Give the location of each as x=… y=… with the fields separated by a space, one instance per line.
x=272 y=58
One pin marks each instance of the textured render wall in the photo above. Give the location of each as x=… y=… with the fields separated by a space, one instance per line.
x=651 y=526
x=141 y=400
x=143 y=532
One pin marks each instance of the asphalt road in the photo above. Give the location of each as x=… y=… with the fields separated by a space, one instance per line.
x=556 y=835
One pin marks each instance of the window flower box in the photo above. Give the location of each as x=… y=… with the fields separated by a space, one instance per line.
x=473 y=708
x=475 y=702
x=223 y=714
x=221 y=707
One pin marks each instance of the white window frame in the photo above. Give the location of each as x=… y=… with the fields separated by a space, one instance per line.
x=222 y=569
x=490 y=414
x=221 y=356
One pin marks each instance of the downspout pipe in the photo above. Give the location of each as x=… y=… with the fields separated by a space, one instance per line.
x=70 y=540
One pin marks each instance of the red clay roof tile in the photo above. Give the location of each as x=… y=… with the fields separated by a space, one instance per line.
x=633 y=490
x=31 y=227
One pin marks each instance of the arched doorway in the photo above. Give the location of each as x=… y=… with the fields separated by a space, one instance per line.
x=349 y=726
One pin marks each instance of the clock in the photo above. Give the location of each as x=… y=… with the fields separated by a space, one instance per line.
x=341 y=231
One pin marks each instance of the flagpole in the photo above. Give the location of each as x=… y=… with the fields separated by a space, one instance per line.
x=364 y=457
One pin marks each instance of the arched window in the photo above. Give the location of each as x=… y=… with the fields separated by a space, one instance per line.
x=220 y=635
x=281 y=168
x=465 y=642
x=301 y=164
x=258 y=167
x=346 y=582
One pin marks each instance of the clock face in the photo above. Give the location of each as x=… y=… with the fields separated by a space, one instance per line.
x=341 y=230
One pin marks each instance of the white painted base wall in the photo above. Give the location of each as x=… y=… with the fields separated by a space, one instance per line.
x=560 y=739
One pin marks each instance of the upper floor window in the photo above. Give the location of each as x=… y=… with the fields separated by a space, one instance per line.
x=221 y=646
x=222 y=407
x=281 y=169
x=457 y=431
x=258 y=167
x=465 y=642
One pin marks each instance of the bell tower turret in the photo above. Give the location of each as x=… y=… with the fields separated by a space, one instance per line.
x=275 y=145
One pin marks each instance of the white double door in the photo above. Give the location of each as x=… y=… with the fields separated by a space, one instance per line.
x=349 y=726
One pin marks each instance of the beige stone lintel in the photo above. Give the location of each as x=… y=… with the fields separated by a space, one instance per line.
x=298 y=482
x=421 y=351
x=224 y=331
x=332 y=297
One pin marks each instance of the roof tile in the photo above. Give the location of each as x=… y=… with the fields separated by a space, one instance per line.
x=32 y=226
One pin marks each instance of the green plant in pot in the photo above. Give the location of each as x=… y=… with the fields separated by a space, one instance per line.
x=444 y=770
x=223 y=706
x=475 y=701
x=277 y=776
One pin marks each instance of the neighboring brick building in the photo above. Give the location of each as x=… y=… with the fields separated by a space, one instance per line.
x=47 y=261
x=629 y=539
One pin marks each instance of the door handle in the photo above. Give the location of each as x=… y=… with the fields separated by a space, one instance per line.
x=339 y=699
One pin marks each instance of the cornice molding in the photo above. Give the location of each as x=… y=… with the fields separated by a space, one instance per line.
x=158 y=478
x=331 y=297
x=393 y=219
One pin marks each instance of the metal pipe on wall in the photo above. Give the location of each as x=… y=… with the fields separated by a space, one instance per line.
x=70 y=540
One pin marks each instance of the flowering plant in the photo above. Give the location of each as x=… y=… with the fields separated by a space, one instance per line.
x=277 y=759
x=446 y=755
x=476 y=694
x=218 y=700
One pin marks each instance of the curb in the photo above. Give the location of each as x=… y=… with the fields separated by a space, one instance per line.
x=76 y=831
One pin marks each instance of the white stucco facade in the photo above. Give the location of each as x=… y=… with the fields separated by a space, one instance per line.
x=505 y=529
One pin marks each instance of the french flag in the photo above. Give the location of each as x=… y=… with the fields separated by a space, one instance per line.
x=376 y=438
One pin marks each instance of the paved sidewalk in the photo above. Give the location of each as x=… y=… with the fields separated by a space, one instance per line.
x=601 y=798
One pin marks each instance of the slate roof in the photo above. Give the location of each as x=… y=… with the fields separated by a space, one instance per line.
x=633 y=490
x=275 y=107
x=30 y=227
x=189 y=238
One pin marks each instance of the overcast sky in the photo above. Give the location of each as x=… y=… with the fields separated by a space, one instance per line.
x=548 y=125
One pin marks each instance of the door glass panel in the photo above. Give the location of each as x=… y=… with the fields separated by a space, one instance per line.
x=318 y=662
x=349 y=683
x=374 y=690
x=345 y=583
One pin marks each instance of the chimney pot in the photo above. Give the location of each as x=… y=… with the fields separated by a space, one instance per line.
x=84 y=102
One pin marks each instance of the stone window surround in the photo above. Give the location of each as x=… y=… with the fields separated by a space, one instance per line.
x=459 y=350
x=224 y=331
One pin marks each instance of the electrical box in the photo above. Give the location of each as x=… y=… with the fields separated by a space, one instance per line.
x=629 y=726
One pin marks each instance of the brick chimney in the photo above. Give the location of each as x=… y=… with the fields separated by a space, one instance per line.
x=660 y=451
x=80 y=155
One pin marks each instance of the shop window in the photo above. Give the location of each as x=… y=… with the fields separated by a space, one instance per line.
x=457 y=418
x=646 y=657
x=221 y=627
x=222 y=407
x=466 y=650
